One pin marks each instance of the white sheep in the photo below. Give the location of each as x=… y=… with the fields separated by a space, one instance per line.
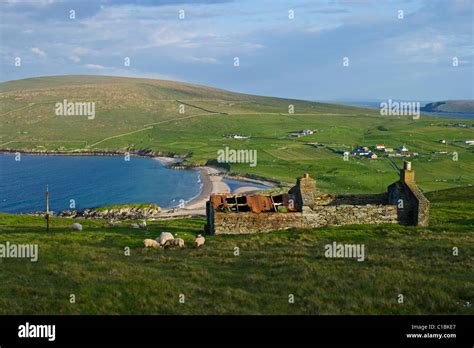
x=199 y=241
x=76 y=226
x=135 y=226
x=142 y=224
x=178 y=242
x=164 y=238
x=150 y=243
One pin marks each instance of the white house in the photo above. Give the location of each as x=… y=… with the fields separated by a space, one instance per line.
x=403 y=148
x=302 y=133
x=372 y=155
x=236 y=136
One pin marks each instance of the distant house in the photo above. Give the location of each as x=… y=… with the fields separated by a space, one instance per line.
x=379 y=147
x=302 y=133
x=469 y=142
x=442 y=141
x=361 y=151
x=402 y=148
x=388 y=149
x=236 y=136
x=371 y=155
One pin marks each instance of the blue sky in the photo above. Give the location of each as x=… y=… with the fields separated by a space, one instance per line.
x=409 y=58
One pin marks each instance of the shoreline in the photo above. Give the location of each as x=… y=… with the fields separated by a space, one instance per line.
x=212 y=178
x=104 y=153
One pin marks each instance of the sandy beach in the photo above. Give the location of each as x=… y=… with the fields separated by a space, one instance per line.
x=212 y=180
x=168 y=160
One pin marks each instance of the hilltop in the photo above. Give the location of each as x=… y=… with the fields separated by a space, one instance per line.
x=186 y=119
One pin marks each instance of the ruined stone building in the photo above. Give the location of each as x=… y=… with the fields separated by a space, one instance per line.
x=302 y=207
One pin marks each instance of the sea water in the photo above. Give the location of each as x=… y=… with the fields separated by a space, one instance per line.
x=90 y=181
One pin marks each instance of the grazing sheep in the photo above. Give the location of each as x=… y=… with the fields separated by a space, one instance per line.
x=177 y=242
x=142 y=224
x=199 y=241
x=150 y=243
x=134 y=226
x=164 y=238
x=76 y=226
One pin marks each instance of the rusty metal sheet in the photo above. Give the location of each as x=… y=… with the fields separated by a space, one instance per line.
x=218 y=200
x=259 y=203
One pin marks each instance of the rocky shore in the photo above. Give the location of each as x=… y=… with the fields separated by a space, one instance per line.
x=86 y=152
x=123 y=213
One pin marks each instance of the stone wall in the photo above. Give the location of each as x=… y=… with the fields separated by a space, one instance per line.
x=336 y=215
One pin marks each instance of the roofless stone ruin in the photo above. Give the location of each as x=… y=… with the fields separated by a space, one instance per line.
x=303 y=207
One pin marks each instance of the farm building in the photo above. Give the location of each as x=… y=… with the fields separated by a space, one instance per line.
x=303 y=207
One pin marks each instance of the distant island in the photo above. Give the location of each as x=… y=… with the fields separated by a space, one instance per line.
x=455 y=106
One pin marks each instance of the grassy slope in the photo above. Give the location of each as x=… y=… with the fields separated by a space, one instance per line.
x=125 y=105
x=417 y=263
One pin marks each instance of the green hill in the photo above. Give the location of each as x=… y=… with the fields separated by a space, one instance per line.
x=136 y=113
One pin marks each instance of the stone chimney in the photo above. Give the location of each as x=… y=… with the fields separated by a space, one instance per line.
x=304 y=191
x=407 y=175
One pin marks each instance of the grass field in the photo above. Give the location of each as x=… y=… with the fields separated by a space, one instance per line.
x=141 y=113
x=415 y=262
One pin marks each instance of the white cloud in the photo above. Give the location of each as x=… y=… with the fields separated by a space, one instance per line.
x=205 y=60
x=94 y=66
x=38 y=52
x=424 y=47
x=78 y=52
